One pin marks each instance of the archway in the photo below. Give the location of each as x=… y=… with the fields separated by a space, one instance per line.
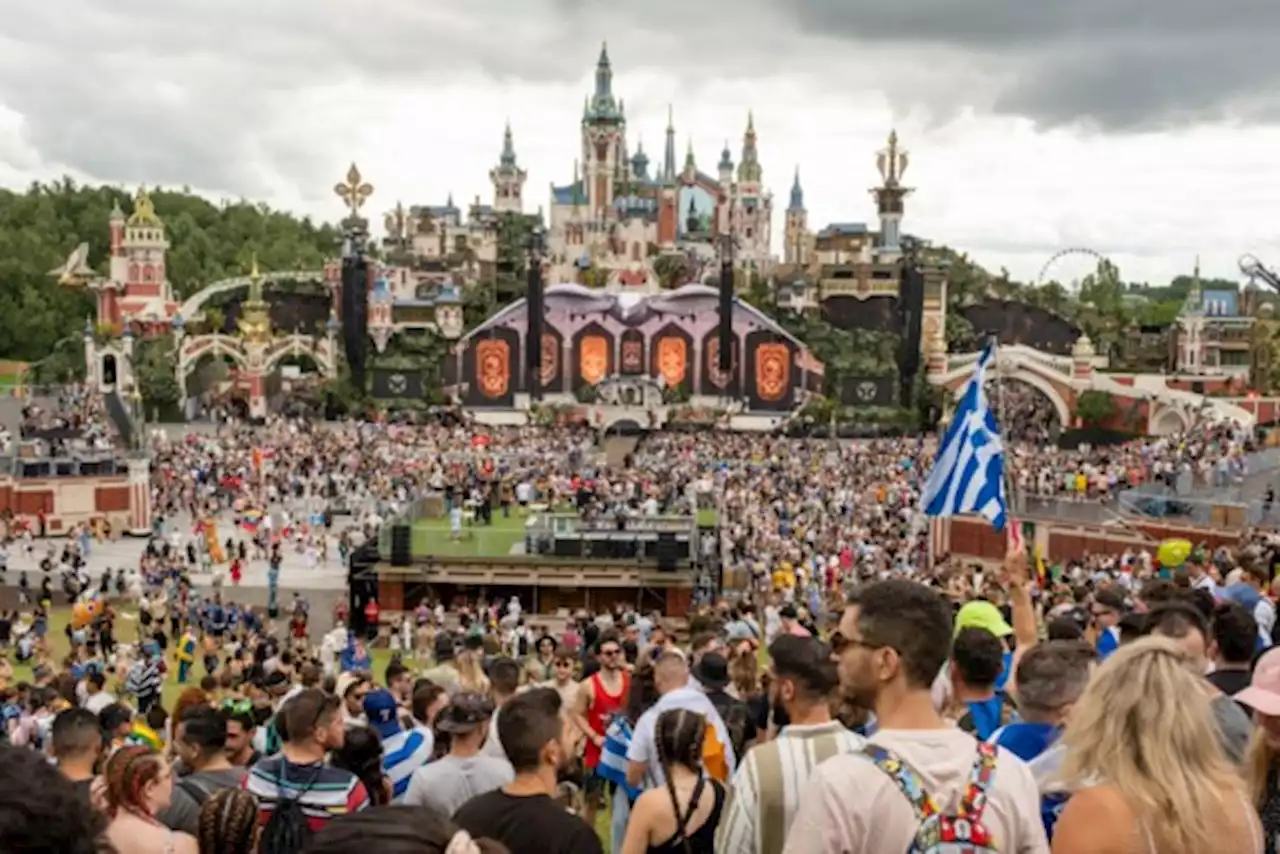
x=1168 y=422
x=109 y=370
x=1025 y=410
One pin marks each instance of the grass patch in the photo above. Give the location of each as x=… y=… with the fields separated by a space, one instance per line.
x=432 y=538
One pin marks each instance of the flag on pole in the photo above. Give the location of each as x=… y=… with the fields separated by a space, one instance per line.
x=968 y=475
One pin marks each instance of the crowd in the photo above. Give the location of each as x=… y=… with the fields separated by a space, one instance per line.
x=857 y=696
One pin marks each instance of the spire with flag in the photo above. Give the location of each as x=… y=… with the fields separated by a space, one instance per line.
x=968 y=475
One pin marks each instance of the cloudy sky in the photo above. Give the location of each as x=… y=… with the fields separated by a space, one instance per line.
x=1032 y=127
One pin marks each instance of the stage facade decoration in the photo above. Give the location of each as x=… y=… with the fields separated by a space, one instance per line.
x=590 y=336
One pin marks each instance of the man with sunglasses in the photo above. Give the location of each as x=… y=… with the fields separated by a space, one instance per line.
x=601 y=696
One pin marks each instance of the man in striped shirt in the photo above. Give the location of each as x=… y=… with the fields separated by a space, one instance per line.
x=144 y=680
x=766 y=789
x=298 y=774
x=404 y=750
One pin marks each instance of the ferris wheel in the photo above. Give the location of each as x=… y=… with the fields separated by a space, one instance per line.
x=1069 y=266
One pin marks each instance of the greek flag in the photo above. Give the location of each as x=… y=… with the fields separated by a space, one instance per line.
x=968 y=476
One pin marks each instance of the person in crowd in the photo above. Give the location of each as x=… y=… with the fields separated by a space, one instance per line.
x=1106 y=611
x=522 y=815
x=362 y=754
x=352 y=688
x=977 y=660
x=43 y=811
x=464 y=772
x=1233 y=647
x=396 y=830
x=76 y=745
x=682 y=815
x=613 y=766
x=1250 y=592
x=139 y=786
x=600 y=698
x=445 y=672
x=671 y=676
x=1183 y=622
x=426 y=703
x=894 y=637
x=1262 y=764
x=298 y=779
x=241 y=727
x=404 y=749
x=1145 y=764
x=790 y=616
x=504 y=682
x=712 y=673
x=200 y=743
x=399 y=681
x=229 y=823
x=767 y=786
x=540 y=667
x=470 y=664
x=97 y=697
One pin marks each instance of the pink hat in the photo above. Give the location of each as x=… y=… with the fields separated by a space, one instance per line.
x=1263 y=693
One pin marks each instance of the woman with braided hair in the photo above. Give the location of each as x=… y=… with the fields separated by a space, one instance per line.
x=683 y=818
x=229 y=823
x=139 y=785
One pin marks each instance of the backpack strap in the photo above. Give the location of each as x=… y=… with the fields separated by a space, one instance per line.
x=975 y=793
x=905 y=778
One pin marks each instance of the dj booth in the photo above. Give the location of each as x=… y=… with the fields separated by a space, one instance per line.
x=666 y=540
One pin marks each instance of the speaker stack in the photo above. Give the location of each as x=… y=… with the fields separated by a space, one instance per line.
x=355 y=310
x=726 y=307
x=535 y=312
x=910 y=311
x=667 y=552
x=401 y=545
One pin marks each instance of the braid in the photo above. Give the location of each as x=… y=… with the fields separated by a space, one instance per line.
x=666 y=722
x=227 y=822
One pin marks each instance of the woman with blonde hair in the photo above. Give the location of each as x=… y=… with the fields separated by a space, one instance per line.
x=1146 y=766
x=471 y=671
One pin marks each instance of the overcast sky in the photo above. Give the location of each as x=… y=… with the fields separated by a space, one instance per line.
x=1144 y=131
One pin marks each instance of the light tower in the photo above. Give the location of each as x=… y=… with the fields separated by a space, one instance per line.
x=892 y=162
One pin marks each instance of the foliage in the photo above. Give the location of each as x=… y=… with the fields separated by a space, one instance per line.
x=673 y=269
x=511 y=269
x=41 y=226
x=1095 y=408
x=595 y=276
x=153 y=369
x=587 y=393
x=844 y=352
x=479 y=301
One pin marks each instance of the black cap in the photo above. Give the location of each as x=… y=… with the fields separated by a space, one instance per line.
x=466 y=711
x=712 y=671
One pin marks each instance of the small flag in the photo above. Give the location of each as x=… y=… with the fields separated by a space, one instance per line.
x=968 y=475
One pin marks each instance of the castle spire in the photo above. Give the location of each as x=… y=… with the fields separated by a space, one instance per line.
x=688 y=156
x=508 y=148
x=749 y=171
x=604 y=73
x=797 y=193
x=669 y=156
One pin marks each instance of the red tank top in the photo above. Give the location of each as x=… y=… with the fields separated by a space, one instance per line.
x=603 y=707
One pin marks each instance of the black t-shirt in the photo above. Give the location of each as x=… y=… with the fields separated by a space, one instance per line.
x=532 y=824
x=1231 y=682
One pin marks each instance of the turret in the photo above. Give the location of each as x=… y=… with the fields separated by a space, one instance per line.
x=669 y=155
x=797 y=194
x=795 y=249
x=508 y=178
x=117 y=231
x=640 y=163
x=690 y=165
x=726 y=167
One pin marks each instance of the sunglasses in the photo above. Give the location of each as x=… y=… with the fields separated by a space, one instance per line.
x=839 y=643
x=610 y=652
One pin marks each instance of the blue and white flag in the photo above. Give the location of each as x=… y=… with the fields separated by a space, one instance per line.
x=968 y=475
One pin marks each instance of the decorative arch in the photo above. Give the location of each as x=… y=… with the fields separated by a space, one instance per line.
x=1170 y=420
x=199 y=346
x=1024 y=371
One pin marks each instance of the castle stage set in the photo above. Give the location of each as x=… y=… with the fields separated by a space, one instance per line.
x=592 y=340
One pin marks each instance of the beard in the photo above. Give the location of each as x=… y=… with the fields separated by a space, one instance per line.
x=853 y=695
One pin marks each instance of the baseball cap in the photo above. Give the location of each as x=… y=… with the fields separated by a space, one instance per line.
x=345 y=683
x=383 y=714
x=979 y=614
x=466 y=711
x=1263 y=693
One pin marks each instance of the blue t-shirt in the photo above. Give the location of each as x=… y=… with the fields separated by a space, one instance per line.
x=1006 y=662
x=1031 y=742
x=1108 y=642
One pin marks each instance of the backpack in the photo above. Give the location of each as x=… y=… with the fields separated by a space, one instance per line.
x=287 y=830
x=940 y=833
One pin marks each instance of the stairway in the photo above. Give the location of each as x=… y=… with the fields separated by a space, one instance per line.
x=120 y=416
x=618 y=448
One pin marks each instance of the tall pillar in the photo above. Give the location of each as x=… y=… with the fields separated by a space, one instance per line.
x=140 y=496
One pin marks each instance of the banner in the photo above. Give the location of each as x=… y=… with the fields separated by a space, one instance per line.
x=390 y=383
x=867 y=391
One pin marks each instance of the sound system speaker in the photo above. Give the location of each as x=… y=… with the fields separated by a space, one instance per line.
x=401 y=545
x=667 y=551
x=726 y=317
x=909 y=318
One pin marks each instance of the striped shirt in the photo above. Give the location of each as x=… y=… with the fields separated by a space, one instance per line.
x=144 y=682
x=766 y=789
x=322 y=791
x=404 y=753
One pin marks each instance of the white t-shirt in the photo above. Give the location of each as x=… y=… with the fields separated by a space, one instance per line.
x=853 y=807
x=643 y=749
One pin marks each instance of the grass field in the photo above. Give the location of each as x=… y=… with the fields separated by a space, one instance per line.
x=432 y=537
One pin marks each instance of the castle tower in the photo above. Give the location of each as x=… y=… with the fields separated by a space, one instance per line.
x=508 y=178
x=752 y=206
x=640 y=163
x=109 y=289
x=146 y=292
x=749 y=171
x=892 y=162
x=603 y=127
x=725 y=168
x=794 y=251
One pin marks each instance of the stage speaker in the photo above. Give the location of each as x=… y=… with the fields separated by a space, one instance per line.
x=910 y=312
x=726 y=315
x=533 y=332
x=667 y=551
x=355 y=314
x=361 y=585
x=401 y=545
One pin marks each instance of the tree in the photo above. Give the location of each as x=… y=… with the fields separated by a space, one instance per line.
x=1095 y=408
